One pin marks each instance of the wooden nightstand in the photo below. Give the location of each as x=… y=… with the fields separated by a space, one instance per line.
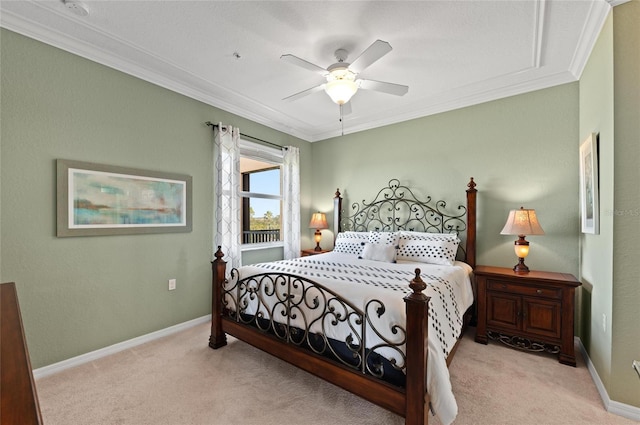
x=307 y=252
x=532 y=311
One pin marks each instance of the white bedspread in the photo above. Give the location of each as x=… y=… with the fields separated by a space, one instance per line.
x=360 y=281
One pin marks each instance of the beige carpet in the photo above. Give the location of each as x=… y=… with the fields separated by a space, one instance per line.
x=179 y=380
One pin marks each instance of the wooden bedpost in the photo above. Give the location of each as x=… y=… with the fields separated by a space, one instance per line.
x=417 y=398
x=471 y=223
x=218 y=338
x=337 y=215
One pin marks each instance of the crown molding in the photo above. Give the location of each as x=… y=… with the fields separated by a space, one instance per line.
x=595 y=21
x=615 y=3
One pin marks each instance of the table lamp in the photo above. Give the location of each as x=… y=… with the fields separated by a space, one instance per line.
x=318 y=222
x=522 y=222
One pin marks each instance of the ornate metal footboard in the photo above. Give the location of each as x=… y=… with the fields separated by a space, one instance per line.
x=240 y=308
x=301 y=312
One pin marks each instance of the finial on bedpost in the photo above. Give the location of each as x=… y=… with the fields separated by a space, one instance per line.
x=471 y=185
x=218 y=254
x=337 y=193
x=417 y=285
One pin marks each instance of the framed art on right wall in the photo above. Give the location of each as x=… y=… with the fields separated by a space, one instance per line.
x=589 y=198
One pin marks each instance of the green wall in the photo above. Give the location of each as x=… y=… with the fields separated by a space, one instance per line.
x=625 y=386
x=609 y=104
x=81 y=294
x=596 y=259
x=520 y=150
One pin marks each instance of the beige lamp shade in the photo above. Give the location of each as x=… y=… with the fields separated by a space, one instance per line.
x=318 y=221
x=522 y=222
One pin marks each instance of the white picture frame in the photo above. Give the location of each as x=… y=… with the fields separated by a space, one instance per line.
x=589 y=185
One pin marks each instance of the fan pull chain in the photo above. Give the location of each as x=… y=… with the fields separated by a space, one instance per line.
x=341 y=120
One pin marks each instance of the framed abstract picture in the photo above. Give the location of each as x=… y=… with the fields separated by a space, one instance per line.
x=589 y=197
x=97 y=199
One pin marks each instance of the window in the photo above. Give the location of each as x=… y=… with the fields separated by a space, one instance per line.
x=260 y=195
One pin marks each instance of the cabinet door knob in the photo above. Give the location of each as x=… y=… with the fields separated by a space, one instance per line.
x=539 y=291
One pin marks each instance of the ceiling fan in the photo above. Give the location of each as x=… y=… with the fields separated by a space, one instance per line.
x=341 y=83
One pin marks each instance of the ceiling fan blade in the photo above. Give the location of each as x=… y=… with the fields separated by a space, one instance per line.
x=390 y=88
x=304 y=64
x=304 y=93
x=372 y=53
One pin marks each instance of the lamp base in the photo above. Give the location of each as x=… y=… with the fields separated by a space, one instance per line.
x=521 y=267
x=317 y=248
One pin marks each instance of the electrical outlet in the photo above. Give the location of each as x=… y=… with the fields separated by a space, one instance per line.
x=172 y=284
x=604 y=322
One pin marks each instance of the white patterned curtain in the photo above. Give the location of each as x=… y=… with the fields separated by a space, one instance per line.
x=291 y=202
x=226 y=154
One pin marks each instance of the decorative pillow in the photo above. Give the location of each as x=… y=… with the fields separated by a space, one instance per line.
x=350 y=242
x=383 y=238
x=380 y=246
x=434 y=248
x=378 y=252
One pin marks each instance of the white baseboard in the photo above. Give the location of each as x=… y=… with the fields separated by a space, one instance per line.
x=112 y=349
x=612 y=406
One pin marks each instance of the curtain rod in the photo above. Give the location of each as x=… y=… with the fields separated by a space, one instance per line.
x=210 y=124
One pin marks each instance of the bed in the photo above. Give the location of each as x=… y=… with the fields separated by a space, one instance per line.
x=360 y=316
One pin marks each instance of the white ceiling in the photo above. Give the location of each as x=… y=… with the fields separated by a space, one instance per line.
x=450 y=53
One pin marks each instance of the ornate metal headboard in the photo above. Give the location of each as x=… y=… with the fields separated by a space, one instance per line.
x=397 y=208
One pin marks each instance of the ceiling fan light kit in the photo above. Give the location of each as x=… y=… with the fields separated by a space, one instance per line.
x=341 y=84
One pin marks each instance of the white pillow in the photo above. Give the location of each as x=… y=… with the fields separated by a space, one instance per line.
x=378 y=252
x=406 y=234
x=350 y=242
x=383 y=238
x=433 y=248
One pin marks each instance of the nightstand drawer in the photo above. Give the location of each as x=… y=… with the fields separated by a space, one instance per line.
x=534 y=291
